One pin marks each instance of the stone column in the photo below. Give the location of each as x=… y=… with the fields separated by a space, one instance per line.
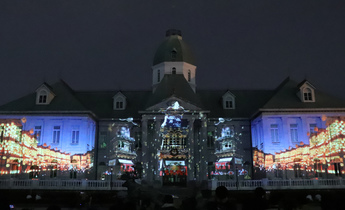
x=145 y=148
x=190 y=145
x=156 y=147
x=203 y=150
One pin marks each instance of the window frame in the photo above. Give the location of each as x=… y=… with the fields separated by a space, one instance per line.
x=56 y=134
x=39 y=132
x=294 y=132
x=274 y=130
x=307 y=94
x=75 y=135
x=229 y=102
x=42 y=97
x=119 y=103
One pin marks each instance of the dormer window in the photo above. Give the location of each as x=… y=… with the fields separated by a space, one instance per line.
x=42 y=97
x=173 y=54
x=173 y=71
x=228 y=101
x=119 y=101
x=307 y=94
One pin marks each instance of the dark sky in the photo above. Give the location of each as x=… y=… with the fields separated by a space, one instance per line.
x=110 y=44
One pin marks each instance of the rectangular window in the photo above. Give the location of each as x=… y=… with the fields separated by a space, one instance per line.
x=37 y=133
x=102 y=139
x=307 y=97
x=119 y=104
x=75 y=136
x=294 y=132
x=228 y=104
x=312 y=128
x=274 y=133
x=56 y=134
x=210 y=139
x=42 y=99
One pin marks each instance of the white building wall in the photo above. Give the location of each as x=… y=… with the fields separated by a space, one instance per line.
x=86 y=131
x=263 y=123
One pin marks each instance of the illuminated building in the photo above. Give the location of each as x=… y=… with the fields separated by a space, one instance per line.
x=173 y=133
x=21 y=155
x=322 y=157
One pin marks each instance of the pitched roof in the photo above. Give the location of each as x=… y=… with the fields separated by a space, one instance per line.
x=174 y=85
x=247 y=102
x=101 y=103
x=64 y=100
x=285 y=97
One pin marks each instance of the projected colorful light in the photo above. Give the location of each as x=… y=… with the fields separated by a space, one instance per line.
x=322 y=157
x=20 y=153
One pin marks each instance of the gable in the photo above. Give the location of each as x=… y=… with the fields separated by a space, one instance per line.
x=169 y=102
x=228 y=100
x=306 y=92
x=119 y=101
x=44 y=94
x=285 y=97
x=173 y=85
x=64 y=100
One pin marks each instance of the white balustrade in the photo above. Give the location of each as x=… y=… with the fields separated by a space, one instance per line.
x=213 y=184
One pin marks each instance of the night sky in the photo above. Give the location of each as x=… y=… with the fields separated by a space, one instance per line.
x=110 y=44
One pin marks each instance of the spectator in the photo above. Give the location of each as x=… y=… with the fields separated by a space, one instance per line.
x=222 y=200
x=168 y=203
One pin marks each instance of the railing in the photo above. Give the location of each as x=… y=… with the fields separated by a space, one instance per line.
x=62 y=184
x=281 y=184
x=213 y=184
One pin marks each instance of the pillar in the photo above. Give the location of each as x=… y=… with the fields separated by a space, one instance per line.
x=190 y=145
x=145 y=148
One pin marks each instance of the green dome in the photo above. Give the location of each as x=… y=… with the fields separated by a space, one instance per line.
x=173 y=48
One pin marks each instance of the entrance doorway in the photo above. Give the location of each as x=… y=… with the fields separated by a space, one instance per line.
x=174 y=173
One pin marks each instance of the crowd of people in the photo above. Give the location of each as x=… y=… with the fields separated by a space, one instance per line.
x=220 y=199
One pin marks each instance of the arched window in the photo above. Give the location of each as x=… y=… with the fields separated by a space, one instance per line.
x=42 y=98
x=173 y=71
x=159 y=76
x=307 y=94
x=189 y=76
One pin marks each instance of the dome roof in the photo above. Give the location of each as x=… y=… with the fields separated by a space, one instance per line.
x=173 y=48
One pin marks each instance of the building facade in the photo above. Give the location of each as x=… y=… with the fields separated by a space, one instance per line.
x=174 y=133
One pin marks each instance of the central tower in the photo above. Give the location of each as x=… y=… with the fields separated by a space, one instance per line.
x=173 y=56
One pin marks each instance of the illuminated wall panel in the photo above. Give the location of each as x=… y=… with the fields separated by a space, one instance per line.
x=299 y=146
x=50 y=146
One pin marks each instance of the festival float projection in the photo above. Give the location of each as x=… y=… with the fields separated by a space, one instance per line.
x=173 y=151
x=229 y=153
x=123 y=155
x=322 y=157
x=22 y=157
